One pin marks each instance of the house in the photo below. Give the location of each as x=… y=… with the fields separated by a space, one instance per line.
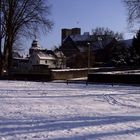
x=48 y=58
x=76 y=44
x=38 y=60
x=39 y=56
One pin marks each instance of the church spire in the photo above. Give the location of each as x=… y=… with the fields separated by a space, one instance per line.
x=35 y=45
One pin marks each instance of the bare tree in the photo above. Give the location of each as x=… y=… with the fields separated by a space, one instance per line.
x=106 y=33
x=102 y=35
x=133 y=8
x=21 y=18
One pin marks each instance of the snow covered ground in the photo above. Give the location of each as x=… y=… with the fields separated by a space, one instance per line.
x=57 y=111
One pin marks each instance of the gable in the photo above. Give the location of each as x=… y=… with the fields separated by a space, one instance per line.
x=69 y=44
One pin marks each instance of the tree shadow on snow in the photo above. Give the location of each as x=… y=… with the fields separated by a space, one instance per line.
x=100 y=135
x=10 y=127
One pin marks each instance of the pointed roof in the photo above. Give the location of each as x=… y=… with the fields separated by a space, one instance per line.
x=76 y=38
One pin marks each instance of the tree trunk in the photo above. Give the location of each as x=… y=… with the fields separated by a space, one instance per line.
x=9 y=62
x=8 y=58
x=1 y=65
x=1 y=57
x=7 y=54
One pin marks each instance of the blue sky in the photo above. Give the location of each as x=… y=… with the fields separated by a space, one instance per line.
x=86 y=14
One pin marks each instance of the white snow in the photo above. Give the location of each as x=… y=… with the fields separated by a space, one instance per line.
x=57 y=111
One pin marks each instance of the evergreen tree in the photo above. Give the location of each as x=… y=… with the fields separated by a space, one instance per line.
x=136 y=42
x=136 y=45
x=120 y=55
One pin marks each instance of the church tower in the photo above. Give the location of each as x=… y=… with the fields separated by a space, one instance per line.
x=35 y=47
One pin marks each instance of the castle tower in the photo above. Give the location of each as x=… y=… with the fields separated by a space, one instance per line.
x=76 y=31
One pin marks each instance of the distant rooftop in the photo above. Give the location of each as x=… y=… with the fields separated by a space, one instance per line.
x=127 y=42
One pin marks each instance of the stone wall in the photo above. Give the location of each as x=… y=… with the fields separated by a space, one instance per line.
x=68 y=74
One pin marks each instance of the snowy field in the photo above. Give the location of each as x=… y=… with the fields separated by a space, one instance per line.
x=57 y=111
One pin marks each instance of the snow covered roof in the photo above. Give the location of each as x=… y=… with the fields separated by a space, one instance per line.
x=127 y=42
x=80 y=38
x=45 y=55
x=101 y=44
x=84 y=37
